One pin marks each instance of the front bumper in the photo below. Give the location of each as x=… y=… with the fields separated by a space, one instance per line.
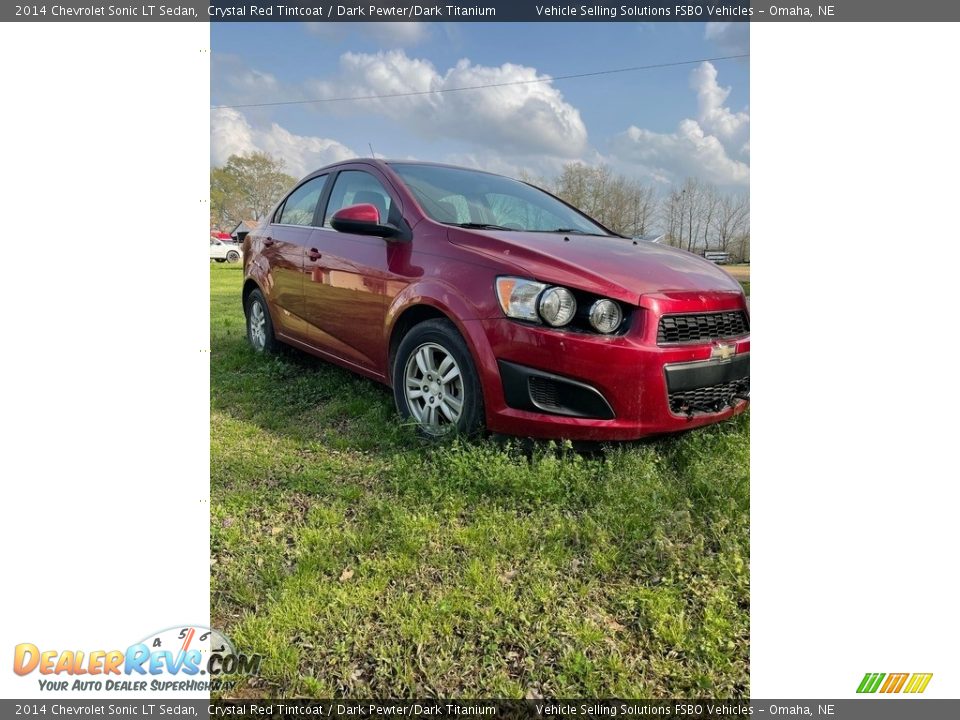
x=629 y=372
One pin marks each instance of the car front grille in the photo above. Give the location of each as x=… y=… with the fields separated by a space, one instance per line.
x=709 y=399
x=701 y=327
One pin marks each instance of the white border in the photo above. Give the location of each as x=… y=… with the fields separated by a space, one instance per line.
x=854 y=483
x=105 y=421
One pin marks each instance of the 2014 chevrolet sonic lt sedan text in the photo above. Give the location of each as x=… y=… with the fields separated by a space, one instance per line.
x=486 y=302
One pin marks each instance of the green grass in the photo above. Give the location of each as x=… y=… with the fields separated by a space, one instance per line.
x=362 y=562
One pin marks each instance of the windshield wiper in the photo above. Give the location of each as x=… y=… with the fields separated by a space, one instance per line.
x=480 y=226
x=491 y=226
x=573 y=230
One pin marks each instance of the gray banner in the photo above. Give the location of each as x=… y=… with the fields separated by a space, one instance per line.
x=873 y=708
x=483 y=11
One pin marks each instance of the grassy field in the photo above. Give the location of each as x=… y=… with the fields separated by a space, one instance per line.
x=362 y=562
x=741 y=273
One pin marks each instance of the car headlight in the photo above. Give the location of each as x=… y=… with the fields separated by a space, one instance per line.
x=518 y=297
x=605 y=316
x=557 y=306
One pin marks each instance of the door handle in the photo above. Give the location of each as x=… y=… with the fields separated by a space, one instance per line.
x=314 y=254
x=267 y=242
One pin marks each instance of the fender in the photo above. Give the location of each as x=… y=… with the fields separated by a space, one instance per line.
x=259 y=277
x=445 y=298
x=436 y=294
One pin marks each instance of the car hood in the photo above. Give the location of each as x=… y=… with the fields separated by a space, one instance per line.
x=617 y=267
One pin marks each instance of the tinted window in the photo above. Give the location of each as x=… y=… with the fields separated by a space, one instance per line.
x=353 y=187
x=456 y=195
x=300 y=206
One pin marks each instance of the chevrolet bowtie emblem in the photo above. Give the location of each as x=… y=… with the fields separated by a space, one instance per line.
x=723 y=351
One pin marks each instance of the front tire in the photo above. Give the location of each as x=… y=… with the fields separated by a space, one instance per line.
x=435 y=381
x=259 y=324
x=233 y=256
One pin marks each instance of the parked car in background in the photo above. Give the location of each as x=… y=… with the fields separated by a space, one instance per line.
x=487 y=302
x=719 y=257
x=225 y=251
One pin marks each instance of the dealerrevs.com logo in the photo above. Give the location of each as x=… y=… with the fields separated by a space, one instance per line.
x=910 y=683
x=183 y=659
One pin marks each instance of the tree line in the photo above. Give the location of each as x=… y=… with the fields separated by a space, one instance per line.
x=694 y=215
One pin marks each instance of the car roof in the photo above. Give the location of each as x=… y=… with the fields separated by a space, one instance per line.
x=385 y=163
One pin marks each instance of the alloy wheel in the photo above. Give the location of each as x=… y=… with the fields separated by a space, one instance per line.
x=433 y=386
x=258 y=325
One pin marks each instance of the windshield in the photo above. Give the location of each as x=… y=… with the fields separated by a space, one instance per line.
x=476 y=199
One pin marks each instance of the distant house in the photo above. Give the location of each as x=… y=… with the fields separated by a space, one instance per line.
x=241 y=230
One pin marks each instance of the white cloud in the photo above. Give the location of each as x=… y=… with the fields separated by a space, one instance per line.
x=714 y=116
x=232 y=134
x=525 y=127
x=236 y=83
x=731 y=37
x=706 y=147
x=522 y=117
x=389 y=34
x=669 y=157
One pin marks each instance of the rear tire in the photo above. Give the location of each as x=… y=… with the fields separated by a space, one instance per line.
x=435 y=381
x=259 y=324
x=233 y=256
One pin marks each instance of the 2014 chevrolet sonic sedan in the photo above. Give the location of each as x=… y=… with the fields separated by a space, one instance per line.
x=486 y=302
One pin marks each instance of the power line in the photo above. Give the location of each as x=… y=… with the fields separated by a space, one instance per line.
x=482 y=87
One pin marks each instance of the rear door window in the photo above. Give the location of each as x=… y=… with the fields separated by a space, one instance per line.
x=301 y=205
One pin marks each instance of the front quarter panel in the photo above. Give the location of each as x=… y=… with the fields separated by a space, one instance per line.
x=458 y=284
x=255 y=266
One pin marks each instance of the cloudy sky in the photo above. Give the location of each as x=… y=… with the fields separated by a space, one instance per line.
x=658 y=125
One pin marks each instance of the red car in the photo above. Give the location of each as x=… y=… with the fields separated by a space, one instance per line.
x=487 y=302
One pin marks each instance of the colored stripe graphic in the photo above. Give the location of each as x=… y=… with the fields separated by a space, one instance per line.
x=894 y=682
x=918 y=682
x=870 y=682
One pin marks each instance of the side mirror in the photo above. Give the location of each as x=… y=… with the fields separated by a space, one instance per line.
x=362 y=219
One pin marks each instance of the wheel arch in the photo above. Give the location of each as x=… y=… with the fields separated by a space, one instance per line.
x=425 y=302
x=406 y=320
x=249 y=285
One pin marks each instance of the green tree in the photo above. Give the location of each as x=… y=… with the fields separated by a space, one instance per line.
x=246 y=187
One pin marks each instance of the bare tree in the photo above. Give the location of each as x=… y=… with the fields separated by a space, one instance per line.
x=623 y=205
x=709 y=203
x=644 y=207
x=695 y=216
x=672 y=217
x=573 y=184
x=732 y=220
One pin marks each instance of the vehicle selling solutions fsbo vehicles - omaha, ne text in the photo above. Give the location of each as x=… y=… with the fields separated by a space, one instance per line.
x=486 y=302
